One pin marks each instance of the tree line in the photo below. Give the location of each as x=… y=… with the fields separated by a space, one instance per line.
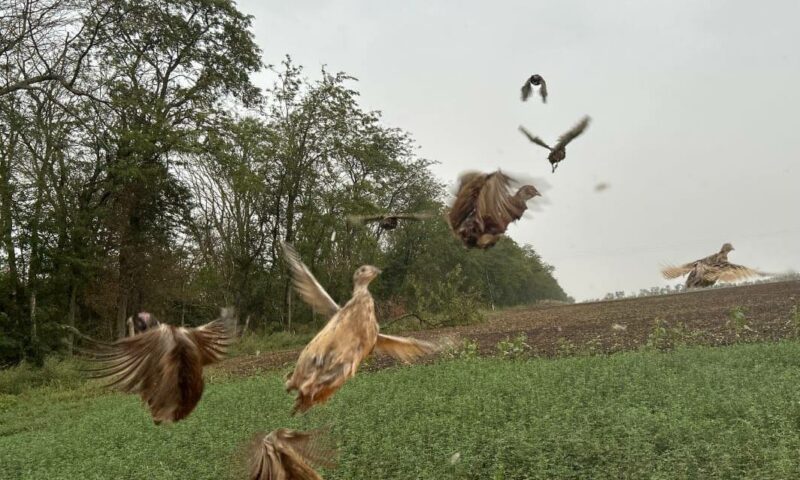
x=141 y=168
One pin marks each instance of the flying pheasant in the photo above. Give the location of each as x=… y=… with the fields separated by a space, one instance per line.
x=351 y=334
x=707 y=271
x=285 y=454
x=558 y=152
x=388 y=221
x=164 y=364
x=484 y=207
x=527 y=87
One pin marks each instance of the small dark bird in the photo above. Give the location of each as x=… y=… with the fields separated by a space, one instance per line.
x=351 y=334
x=388 y=221
x=707 y=271
x=140 y=322
x=285 y=454
x=164 y=364
x=484 y=207
x=558 y=152
x=527 y=87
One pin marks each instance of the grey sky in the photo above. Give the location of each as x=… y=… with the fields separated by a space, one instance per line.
x=694 y=108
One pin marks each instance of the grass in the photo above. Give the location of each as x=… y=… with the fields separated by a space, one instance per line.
x=699 y=412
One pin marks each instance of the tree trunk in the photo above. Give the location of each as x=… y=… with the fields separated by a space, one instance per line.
x=34 y=332
x=71 y=318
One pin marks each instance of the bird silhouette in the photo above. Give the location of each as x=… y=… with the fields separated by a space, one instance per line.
x=558 y=152
x=164 y=364
x=484 y=207
x=527 y=87
x=285 y=454
x=351 y=334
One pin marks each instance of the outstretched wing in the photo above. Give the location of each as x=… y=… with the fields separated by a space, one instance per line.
x=730 y=272
x=543 y=91
x=572 y=133
x=314 y=446
x=412 y=216
x=214 y=338
x=306 y=285
x=536 y=140
x=526 y=89
x=402 y=348
x=355 y=219
x=132 y=363
x=670 y=271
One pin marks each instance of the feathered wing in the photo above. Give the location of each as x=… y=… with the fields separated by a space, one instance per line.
x=543 y=91
x=356 y=219
x=132 y=363
x=307 y=286
x=526 y=89
x=495 y=204
x=469 y=187
x=572 y=133
x=730 y=272
x=669 y=272
x=402 y=348
x=214 y=338
x=532 y=138
x=413 y=216
x=289 y=455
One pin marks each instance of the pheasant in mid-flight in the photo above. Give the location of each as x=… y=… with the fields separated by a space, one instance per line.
x=141 y=322
x=707 y=271
x=164 y=364
x=484 y=207
x=351 y=334
x=388 y=221
x=285 y=454
x=527 y=87
x=558 y=152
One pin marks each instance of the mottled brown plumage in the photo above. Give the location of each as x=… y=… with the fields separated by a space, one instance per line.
x=351 y=334
x=484 y=207
x=527 y=87
x=388 y=221
x=285 y=454
x=558 y=152
x=164 y=364
x=709 y=270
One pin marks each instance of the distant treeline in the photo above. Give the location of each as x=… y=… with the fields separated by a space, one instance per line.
x=141 y=168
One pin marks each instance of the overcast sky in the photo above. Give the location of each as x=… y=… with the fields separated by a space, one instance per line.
x=694 y=110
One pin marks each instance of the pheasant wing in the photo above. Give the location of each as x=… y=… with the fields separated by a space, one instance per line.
x=307 y=286
x=572 y=133
x=402 y=348
x=536 y=140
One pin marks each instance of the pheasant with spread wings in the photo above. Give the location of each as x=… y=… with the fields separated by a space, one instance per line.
x=285 y=454
x=558 y=152
x=164 y=364
x=711 y=269
x=484 y=207
x=527 y=88
x=351 y=334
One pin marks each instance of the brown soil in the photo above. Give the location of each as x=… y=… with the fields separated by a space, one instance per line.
x=703 y=316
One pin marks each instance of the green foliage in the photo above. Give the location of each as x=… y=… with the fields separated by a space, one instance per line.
x=54 y=373
x=513 y=348
x=647 y=414
x=256 y=343
x=467 y=349
x=737 y=320
x=664 y=337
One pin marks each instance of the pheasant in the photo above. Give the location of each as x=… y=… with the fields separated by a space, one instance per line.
x=558 y=152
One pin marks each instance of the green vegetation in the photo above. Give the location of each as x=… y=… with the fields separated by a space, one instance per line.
x=729 y=412
x=166 y=181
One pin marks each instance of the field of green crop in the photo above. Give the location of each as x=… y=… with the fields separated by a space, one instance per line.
x=725 y=412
